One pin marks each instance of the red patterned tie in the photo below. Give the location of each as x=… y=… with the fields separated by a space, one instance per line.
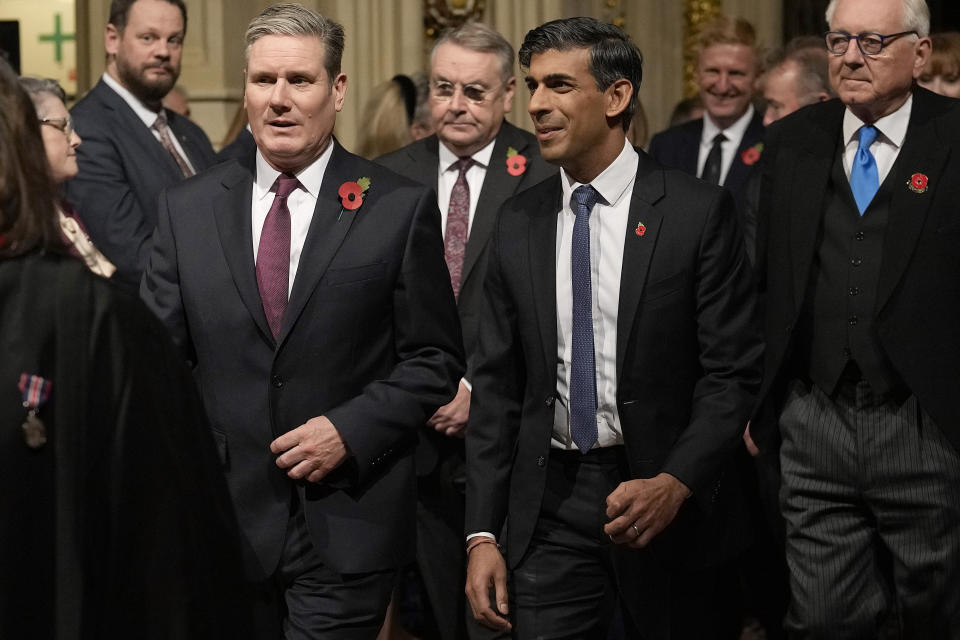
x=458 y=224
x=161 y=127
x=273 y=254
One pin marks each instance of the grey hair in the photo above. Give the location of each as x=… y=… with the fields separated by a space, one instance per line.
x=916 y=16
x=36 y=88
x=476 y=36
x=296 y=20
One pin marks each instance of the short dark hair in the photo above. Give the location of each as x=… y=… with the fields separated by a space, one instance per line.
x=120 y=12
x=612 y=54
x=28 y=219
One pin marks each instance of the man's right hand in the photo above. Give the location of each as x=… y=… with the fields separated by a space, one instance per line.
x=487 y=570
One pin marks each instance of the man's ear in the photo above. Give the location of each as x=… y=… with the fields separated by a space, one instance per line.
x=111 y=39
x=618 y=97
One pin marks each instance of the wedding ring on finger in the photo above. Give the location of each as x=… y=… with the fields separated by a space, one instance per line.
x=634 y=525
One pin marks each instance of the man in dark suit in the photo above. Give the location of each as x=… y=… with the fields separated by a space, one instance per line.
x=133 y=147
x=858 y=232
x=723 y=146
x=471 y=88
x=618 y=361
x=310 y=292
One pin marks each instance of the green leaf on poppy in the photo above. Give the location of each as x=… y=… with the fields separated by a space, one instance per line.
x=364 y=183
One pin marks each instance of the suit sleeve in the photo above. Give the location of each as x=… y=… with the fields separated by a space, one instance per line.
x=496 y=402
x=730 y=350
x=429 y=349
x=160 y=287
x=107 y=204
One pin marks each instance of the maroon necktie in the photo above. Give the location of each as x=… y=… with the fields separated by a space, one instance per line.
x=273 y=255
x=458 y=224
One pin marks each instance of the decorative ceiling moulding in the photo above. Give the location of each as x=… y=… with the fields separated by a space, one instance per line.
x=696 y=15
x=440 y=15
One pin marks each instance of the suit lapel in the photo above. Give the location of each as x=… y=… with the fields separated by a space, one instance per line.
x=328 y=228
x=691 y=149
x=739 y=172
x=498 y=185
x=809 y=180
x=542 y=243
x=234 y=226
x=195 y=153
x=648 y=188
x=922 y=154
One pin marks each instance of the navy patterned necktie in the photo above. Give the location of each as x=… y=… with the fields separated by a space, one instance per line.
x=458 y=225
x=583 y=377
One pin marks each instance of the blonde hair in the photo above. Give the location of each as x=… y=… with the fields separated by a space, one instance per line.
x=386 y=126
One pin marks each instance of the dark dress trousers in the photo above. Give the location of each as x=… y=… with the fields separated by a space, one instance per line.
x=123 y=168
x=440 y=462
x=370 y=339
x=688 y=368
x=862 y=371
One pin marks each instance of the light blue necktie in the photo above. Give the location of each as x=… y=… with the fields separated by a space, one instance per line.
x=583 y=379
x=864 y=179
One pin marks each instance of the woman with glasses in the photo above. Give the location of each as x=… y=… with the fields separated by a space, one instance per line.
x=60 y=141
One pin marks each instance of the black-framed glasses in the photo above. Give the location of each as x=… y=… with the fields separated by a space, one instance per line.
x=65 y=125
x=870 y=44
x=475 y=93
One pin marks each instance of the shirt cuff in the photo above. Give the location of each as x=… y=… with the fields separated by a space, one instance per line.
x=481 y=534
x=467 y=384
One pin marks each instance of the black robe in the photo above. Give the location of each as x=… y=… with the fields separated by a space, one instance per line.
x=120 y=525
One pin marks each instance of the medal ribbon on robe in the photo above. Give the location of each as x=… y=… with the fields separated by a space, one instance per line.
x=35 y=391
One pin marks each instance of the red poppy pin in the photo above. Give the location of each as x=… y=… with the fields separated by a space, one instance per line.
x=516 y=162
x=750 y=156
x=641 y=229
x=918 y=183
x=352 y=194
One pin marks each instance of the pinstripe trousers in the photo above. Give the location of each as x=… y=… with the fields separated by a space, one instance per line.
x=871 y=498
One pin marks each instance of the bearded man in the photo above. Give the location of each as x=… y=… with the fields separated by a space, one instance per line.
x=133 y=147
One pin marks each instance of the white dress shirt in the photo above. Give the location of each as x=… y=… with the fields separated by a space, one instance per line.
x=608 y=231
x=146 y=114
x=734 y=134
x=447 y=177
x=301 y=204
x=891 y=131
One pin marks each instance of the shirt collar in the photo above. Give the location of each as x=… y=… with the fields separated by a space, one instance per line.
x=481 y=157
x=143 y=112
x=612 y=183
x=310 y=177
x=734 y=132
x=893 y=127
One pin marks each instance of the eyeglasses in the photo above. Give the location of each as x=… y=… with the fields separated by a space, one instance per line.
x=474 y=93
x=65 y=125
x=870 y=44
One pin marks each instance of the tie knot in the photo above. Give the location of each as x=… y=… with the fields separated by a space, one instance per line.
x=719 y=138
x=161 y=122
x=868 y=134
x=463 y=165
x=286 y=184
x=586 y=196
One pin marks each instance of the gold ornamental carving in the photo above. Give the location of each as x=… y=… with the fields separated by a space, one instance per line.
x=696 y=15
x=440 y=15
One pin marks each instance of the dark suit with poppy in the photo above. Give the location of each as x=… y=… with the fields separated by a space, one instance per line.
x=679 y=148
x=123 y=169
x=688 y=367
x=887 y=342
x=440 y=462
x=370 y=339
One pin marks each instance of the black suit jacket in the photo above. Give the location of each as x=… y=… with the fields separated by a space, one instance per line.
x=370 y=340
x=678 y=147
x=123 y=168
x=420 y=161
x=688 y=358
x=918 y=295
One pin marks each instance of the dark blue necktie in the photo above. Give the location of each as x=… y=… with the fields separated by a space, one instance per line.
x=864 y=179
x=583 y=379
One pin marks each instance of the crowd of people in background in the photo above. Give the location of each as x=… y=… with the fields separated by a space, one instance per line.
x=469 y=381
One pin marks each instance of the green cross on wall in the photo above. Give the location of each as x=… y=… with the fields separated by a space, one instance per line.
x=57 y=38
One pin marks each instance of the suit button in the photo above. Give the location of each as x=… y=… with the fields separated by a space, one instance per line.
x=787 y=329
x=859 y=235
x=847 y=353
x=276 y=381
x=541 y=461
x=852 y=321
x=856 y=261
x=854 y=291
x=549 y=401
